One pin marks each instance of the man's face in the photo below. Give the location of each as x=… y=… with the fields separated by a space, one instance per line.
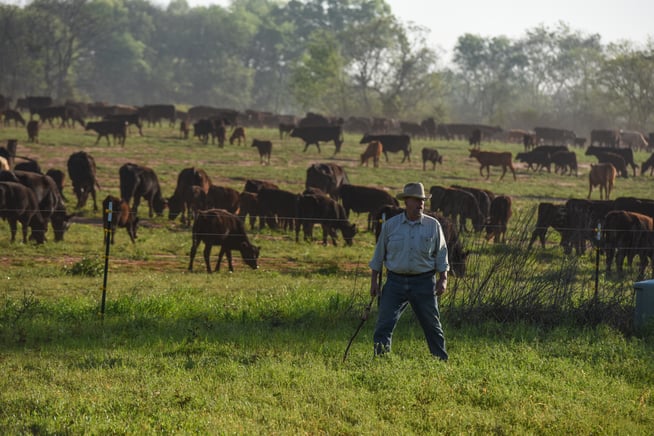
x=414 y=206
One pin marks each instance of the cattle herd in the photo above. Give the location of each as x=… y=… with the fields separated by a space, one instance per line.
x=219 y=215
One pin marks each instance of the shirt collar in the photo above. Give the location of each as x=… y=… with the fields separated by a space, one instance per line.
x=405 y=219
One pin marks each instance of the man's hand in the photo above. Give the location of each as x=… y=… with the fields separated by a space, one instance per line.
x=374 y=283
x=441 y=285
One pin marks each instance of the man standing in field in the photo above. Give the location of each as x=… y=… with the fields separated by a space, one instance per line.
x=412 y=246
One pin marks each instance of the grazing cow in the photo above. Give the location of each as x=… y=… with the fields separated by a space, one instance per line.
x=217 y=197
x=316 y=134
x=154 y=113
x=458 y=204
x=373 y=151
x=535 y=160
x=500 y=213
x=219 y=227
x=180 y=201
x=117 y=129
x=456 y=255
x=648 y=165
x=566 y=161
x=364 y=199
x=550 y=215
x=277 y=208
x=616 y=160
x=10 y=115
x=627 y=234
x=121 y=216
x=18 y=203
x=493 y=158
x=264 y=148
x=82 y=174
x=254 y=186
x=431 y=155
x=33 y=131
x=605 y=138
x=238 y=134
x=320 y=209
x=475 y=138
x=328 y=177
x=602 y=175
x=248 y=205
x=51 y=204
x=391 y=143
x=204 y=128
x=626 y=153
x=141 y=182
x=483 y=196
x=50 y=113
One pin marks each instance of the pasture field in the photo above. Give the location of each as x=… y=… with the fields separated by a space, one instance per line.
x=260 y=351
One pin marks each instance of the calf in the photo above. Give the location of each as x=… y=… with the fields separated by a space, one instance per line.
x=493 y=158
x=602 y=175
x=33 y=131
x=219 y=227
x=238 y=134
x=535 y=160
x=141 y=182
x=431 y=155
x=180 y=202
x=500 y=213
x=373 y=151
x=121 y=216
x=12 y=115
x=566 y=161
x=264 y=148
x=391 y=143
x=248 y=205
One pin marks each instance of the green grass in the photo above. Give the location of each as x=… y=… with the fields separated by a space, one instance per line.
x=261 y=351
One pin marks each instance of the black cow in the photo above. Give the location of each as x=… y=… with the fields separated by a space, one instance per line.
x=82 y=174
x=141 y=182
x=500 y=213
x=33 y=131
x=550 y=215
x=217 y=197
x=117 y=129
x=154 y=113
x=535 y=160
x=566 y=161
x=59 y=177
x=316 y=134
x=121 y=216
x=431 y=155
x=554 y=136
x=219 y=227
x=328 y=177
x=18 y=203
x=648 y=165
x=127 y=119
x=264 y=148
x=277 y=207
x=51 y=205
x=254 y=185
x=10 y=115
x=605 y=138
x=626 y=153
x=614 y=159
x=391 y=143
x=248 y=205
x=475 y=138
x=319 y=209
x=364 y=199
x=582 y=219
x=458 y=204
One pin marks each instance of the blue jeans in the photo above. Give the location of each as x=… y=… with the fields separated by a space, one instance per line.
x=397 y=293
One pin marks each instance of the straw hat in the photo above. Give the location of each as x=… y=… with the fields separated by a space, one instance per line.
x=414 y=190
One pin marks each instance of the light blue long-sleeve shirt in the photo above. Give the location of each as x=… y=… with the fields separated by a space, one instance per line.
x=411 y=247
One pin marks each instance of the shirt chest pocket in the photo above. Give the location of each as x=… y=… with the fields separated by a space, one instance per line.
x=426 y=241
x=396 y=243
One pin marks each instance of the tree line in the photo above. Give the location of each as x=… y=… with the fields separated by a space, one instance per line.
x=338 y=57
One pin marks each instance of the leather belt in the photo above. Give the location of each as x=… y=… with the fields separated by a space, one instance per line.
x=428 y=273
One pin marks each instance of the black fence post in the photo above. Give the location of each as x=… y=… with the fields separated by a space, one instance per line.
x=107 y=244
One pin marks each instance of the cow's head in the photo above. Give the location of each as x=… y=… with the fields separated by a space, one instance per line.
x=60 y=223
x=250 y=254
x=159 y=204
x=175 y=205
x=349 y=230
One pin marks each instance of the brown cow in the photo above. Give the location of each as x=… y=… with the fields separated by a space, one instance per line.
x=627 y=234
x=180 y=202
x=374 y=151
x=265 y=150
x=602 y=175
x=493 y=158
x=219 y=227
x=500 y=213
x=237 y=135
x=121 y=216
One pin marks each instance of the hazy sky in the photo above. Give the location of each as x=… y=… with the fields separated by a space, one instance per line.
x=613 y=19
